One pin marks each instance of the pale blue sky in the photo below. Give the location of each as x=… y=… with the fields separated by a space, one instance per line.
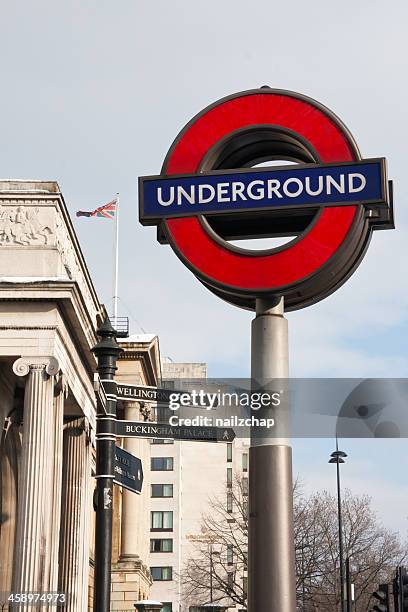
x=93 y=93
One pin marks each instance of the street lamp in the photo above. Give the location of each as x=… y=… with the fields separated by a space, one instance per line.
x=338 y=457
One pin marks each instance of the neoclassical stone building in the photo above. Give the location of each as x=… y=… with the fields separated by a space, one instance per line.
x=139 y=364
x=49 y=314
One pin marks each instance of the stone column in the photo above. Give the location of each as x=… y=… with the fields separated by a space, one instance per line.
x=131 y=575
x=75 y=516
x=10 y=449
x=133 y=512
x=35 y=549
x=61 y=392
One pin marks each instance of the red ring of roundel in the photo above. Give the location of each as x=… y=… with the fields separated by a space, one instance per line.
x=213 y=261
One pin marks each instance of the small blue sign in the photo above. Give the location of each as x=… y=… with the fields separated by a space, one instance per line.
x=128 y=470
x=267 y=188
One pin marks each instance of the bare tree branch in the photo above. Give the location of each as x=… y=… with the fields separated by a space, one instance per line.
x=220 y=553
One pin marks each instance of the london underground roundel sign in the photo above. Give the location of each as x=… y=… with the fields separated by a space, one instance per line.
x=328 y=200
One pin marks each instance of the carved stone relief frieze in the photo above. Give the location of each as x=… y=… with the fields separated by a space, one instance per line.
x=26 y=226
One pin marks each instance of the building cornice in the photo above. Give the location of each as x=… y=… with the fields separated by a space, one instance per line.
x=148 y=354
x=69 y=298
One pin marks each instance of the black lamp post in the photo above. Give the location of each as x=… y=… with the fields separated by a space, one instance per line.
x=338 y=457
x=107 y=352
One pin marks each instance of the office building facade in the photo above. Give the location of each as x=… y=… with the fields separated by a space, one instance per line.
x=185 y=478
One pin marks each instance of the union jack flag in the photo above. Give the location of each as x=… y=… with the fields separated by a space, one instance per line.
x=107 y=211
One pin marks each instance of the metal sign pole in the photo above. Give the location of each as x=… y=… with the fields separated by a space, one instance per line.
x=349 y=603
x=233 y=133
x=271 y=555
x=107 y=351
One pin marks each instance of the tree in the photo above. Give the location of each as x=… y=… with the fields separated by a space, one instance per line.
x=219 y=559
x=216 y=571
x=373 y=550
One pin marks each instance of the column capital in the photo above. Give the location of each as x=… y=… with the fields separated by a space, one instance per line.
x=23 y=365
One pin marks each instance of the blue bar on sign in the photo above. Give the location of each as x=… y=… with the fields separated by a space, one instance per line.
x=309 y=185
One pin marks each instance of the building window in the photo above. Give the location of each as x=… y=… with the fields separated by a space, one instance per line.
x=229 y=477
x=162 y=464
x=245 y=462
x=230 y=554
x=167 y=607
x=245 y=486
x=162 y=490
x=162 y=573
x=161 y=441
x=229 y=453
x=161 y=521
x=161 y=545
x=229 y=501
x=230 y=581
x=245 y=585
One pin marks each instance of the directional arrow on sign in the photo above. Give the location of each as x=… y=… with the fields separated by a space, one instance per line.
x=141 y=429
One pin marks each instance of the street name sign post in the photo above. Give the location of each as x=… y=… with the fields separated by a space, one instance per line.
x=154 y=395
x=106 y=351
x=138 y=393
x=142 y=429
x=143 y=393
x=128 y=470
x=328 y=202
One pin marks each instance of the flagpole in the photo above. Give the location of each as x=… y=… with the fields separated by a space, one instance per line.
x=116 y=276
